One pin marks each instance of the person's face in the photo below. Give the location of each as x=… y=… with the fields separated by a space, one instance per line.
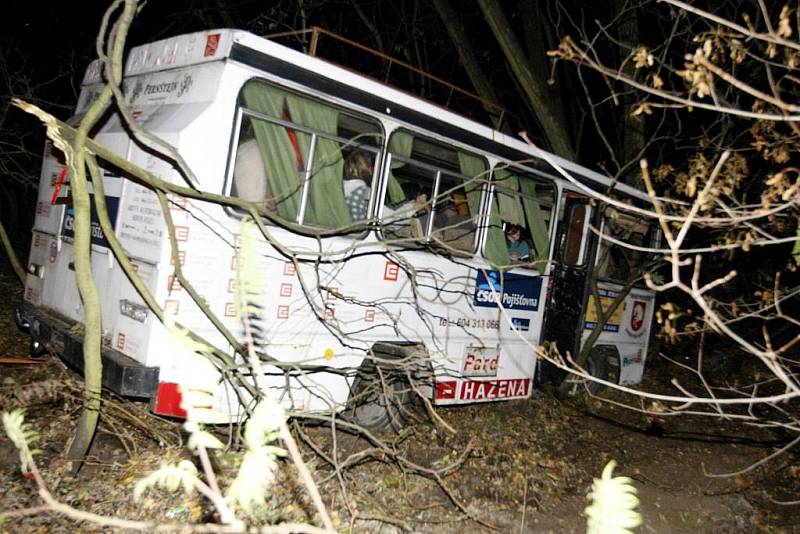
x=514 y=235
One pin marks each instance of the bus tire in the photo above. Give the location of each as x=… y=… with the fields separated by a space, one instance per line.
x=378 y=400
x=597 y=366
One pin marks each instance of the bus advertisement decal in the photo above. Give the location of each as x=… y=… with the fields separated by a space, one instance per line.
x=512 y=291
x=470 y=322
x=637 y=321
x=98 y=238
x=607 y=297
x=446 y=390
x=520 y=325
x=480 y=361
x=494 y=389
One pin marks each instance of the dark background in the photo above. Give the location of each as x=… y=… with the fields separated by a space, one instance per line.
x=45 y=47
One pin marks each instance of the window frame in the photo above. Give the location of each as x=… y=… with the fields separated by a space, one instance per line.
x=298 y=226
x=652 y=239
x=438 y=172
x=537 y=177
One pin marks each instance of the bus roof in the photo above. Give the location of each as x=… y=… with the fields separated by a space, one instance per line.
x=264 y=54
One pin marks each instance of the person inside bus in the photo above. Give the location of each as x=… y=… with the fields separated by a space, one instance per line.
x=450 y=214
x=518 y=249
x=409 y=217
x=358 y=169
x=415 y=203
x=250 y=176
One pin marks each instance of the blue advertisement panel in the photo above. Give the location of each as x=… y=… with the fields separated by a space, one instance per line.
x=520 y=324
x=512 y=291
x=112 y=205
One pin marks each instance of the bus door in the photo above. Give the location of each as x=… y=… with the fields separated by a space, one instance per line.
x=569 y=281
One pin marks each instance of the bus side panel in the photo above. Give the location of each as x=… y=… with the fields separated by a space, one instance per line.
x=628 y=330
x=168 y=105
x=53 y=176
x=59 y=288
x=38 y=265
x=480 y=351
x=510 y=332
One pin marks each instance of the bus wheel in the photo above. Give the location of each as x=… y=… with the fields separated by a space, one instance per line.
x=378 y=400
x=597 y=366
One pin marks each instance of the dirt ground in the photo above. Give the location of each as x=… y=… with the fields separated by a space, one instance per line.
x=520 y=466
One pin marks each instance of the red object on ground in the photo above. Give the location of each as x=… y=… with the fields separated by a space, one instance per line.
x=22 y=361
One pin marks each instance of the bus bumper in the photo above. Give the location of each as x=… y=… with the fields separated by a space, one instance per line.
x=121 y=374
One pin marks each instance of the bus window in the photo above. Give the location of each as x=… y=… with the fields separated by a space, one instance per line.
x=617 y=262
x=519 y=222
x=433 y=193
x=291 y=153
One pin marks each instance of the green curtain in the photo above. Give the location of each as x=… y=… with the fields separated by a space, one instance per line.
x=326 y=205
x=400 y=144
x=474 y=168
x=507 y=186
x=536 y=222
x=495 y=249
x=514 y=208
x=276 y=148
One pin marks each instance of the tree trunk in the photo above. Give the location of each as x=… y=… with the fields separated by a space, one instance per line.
x=552 y=123
x=631 y=138
x=469 y=60
x=540 y=36
x=12 y=255
x=82 y=249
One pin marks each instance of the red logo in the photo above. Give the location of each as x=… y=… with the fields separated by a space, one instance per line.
x=446 y=390
x=172 y=307
x=286 y=290
x=181 y=233
x=181 y=258
x=391 y=271
x=173 y=284
x=212 y=43
x=637 y=315
x=177 y=203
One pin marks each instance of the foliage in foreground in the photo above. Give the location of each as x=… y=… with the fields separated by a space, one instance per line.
x=614 y=502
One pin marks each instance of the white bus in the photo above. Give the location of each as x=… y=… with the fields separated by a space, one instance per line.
x=402 y=236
